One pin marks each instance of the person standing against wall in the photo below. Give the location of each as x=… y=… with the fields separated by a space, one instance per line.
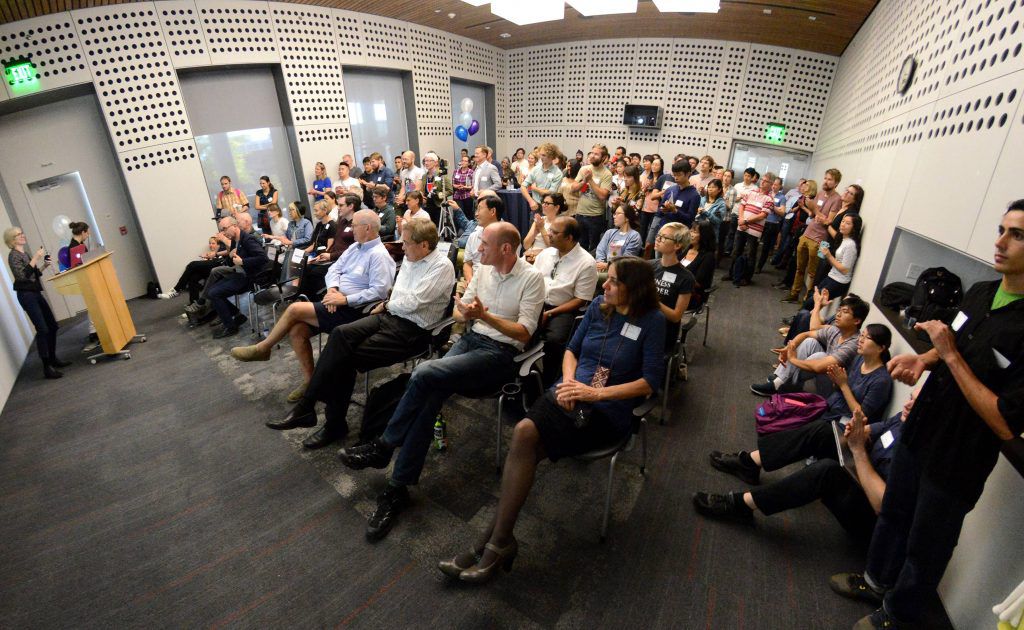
x=972 y=402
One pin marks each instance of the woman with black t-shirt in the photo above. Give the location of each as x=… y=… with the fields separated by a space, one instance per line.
x=674 y=282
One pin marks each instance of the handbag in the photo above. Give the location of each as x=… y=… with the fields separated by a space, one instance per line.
x=782 y=412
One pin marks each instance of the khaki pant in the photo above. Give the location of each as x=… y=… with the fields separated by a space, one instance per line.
x=806 y=265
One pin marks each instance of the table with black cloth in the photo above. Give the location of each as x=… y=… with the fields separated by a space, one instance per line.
x=517 y=211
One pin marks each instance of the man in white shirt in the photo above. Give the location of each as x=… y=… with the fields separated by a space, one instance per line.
x=346 y=183
x=570 y=281
x=485 y=175
x=489 y=209
x=395 y=331
x=502 y=306
x=411 y=177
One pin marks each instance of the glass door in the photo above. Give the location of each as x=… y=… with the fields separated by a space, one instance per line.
x=791 y=166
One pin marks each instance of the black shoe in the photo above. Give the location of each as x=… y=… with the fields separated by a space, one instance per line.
x=296 y=418
x=742 y=283
x=325 y=435
x=765 y=389
x=791 y=299
x=50 y=372
x=372 y=455
x=390 y=504
x=240 y=320
x=724 y=506
x=854 y=586
x=727 y=278
x=733 y=464
x=222 y=332
x=788 y=321
x=57 y=363
x=880 y=620
x=207 y=317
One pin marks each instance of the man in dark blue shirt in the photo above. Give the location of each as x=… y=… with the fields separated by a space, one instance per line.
x=379 y=175
x=248 y=258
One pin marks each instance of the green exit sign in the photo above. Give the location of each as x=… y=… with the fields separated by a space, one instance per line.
x=775 y=133
x=21 y=75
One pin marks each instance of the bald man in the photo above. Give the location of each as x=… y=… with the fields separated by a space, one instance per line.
x=410 y=176
x=363 y=274
x=501 y=308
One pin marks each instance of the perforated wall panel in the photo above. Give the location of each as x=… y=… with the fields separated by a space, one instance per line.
x=546 y=94
x=431 y=79
x=577 y=96
x=137 y=87
x=239 y=32
x=183 y=32
x=385 y=43
x=348 y=29
x=49 y=42
x=610 y=80
x=310 y=65
x=693 y=84
x=472 y=60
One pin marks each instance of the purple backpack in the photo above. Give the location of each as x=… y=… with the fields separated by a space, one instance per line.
x=782 y=412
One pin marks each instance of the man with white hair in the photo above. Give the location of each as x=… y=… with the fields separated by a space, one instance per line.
x=363 y=274
x=410 y=177
x=437 y=187
x=354 y=169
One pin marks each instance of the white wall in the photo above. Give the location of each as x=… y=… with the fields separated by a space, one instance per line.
x=927 y=167
x=16 y=332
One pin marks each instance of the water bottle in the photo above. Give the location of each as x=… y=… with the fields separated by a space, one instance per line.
x=440 y=439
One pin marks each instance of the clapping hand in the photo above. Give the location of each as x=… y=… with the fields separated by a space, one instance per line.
x=837 y=374
x=472 y=310
x=906 y=368
x=856 y=432
x=941 y=337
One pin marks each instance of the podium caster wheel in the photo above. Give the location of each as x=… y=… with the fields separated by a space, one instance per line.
x=127 y=356
x=142 y=340
x=92 y=361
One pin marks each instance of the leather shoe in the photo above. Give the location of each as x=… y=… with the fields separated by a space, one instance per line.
x=765 y=389
x=372 y=455
x=295 y=418
x=732 y=463
x=50 y=372
x=324 y=436
x=725 y=506
x=390 y=504
x=57 y=363
x=461 y=562
x=503 y=558
x=854 y=586
x=222 y=332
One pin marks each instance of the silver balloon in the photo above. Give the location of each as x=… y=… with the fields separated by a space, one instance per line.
x=467 y=105
x=466 y=119
x=62 y=227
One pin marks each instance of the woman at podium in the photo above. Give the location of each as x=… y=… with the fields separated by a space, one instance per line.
x=26 y=271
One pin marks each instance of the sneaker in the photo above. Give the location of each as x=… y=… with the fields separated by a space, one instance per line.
x=297 y=393
x=167 y=296
x=357 y=458
x=765 y=389
x=390 y=504
x=791 y=299
x=724 y=506
x=879 y=620
x=733 y=464
x=854 y=586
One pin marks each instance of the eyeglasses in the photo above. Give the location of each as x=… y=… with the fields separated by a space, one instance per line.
x=547 y=203
x=661 y=237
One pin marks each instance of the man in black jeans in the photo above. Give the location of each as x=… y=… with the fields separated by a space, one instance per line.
x=972 y=402
x=247 y=260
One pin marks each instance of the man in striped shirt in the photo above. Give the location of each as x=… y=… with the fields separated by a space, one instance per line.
x=754 y=207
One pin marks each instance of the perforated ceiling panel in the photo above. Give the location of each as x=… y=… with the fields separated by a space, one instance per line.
x=184 y=33
x=310 y=65
x=137 y=87
x=431 y=80
x=239 y=32
x=51 y=44
x=501 y=95
x=988 y=46
x=472 y=60
x=610 y=78
x=730 y=84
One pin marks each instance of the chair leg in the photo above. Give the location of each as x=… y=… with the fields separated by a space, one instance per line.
x=366 y=385
x=497 y=444
x=707 y=322
x=608 y=497
x=643 y=446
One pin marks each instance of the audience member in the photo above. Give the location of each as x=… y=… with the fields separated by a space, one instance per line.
x=824 y=208
x=502 y=306
x=410 y=176
x=489 y=209
x=197 y=271
x=712 y=206
x=594 y=184
x=614 y=360
x=700 y=261
x=300 y=230
x=754 y=207
x=793 y=224
x=630 y=191
x=265 y=196
x=852 y=198
x=654 y=187
x=811 y=353
x=570 y=282
x=323 y=231
x=485 y=175
x=385 y=212
x=378 y=175
x=621 y=240
x=414 y=209
x=321 y=182
x=230 y=200
x=679 y=203
x=537 y=237
x=702 y=174
x=545 y=178
x=313 y=279
x=363 y=274
x=772 y=222
x=396 y=330
x=727 y=231
x=674 y=282
x=462 y=183
x=346 y=182
x=436 y=188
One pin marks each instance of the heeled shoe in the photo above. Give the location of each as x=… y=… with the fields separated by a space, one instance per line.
x=458 y=564
x=504 y=557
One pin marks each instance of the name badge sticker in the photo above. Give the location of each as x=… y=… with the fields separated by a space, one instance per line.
x=679 y=203
x=821 y=202
x=959 y=321
x=887 y=439
x=1001 y=359
x=629 y=331
x=669 y=277
x=348 y=229
x=789 y=215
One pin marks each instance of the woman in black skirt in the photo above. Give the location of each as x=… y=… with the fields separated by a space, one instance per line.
x=26 y=271
x=615 y=360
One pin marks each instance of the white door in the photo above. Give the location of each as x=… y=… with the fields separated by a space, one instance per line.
x=791 y=166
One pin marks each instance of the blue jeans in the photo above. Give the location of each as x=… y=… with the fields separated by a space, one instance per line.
x=915 y=535
x=219 y=289
x=39 y=313
x=473 y=359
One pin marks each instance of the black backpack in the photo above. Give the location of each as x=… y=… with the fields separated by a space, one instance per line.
x=896 y=295
x=937 y=295
x=380 y=406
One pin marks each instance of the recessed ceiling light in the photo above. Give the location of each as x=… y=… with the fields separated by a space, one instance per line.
x=687 y=6
x=766 y=11
x=451 y=16
x=487 y=28
x=589 y=8
x=437 y=10
x=505 y=35
x=523 y=12
x=476 y=3
x=812 y=18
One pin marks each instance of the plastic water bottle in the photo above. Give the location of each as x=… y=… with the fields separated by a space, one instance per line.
x=440 y=439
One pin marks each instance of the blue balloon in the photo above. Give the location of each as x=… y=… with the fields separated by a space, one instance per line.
x=462 y=133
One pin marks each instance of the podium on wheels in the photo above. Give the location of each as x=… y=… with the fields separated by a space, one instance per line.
x=96 y=281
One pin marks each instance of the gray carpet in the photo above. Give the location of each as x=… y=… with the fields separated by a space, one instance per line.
x=149 y=493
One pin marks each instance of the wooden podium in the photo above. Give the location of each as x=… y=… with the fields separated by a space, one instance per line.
x=96 y=281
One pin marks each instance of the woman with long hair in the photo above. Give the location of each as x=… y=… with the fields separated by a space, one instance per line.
x=712 y=205
x=614 y=360
x=700 y=260
x=652 y=191
x=26 y=271
x=265 y=196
